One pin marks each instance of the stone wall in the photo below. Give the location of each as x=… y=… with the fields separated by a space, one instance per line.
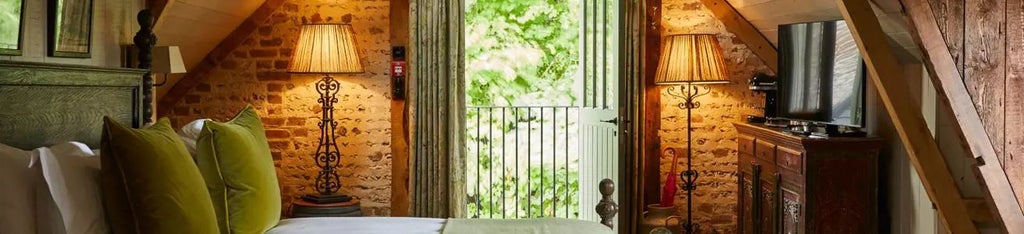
x=714 y=138
x=256 y=73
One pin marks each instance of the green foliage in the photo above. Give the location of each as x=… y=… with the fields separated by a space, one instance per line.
x=521 y=52
x=10 y=22
x=526 y=169
x=530 y=197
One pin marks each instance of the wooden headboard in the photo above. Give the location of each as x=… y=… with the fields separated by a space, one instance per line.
x=44 y=104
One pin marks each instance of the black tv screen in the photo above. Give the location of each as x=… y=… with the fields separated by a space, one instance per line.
x=821 y=74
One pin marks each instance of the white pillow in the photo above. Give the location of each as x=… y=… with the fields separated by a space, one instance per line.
x=25 y=199
x=48 y=220
x=72 y=174
x=18 y=183
x=190 y=134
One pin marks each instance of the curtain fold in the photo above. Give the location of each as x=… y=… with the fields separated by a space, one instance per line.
x=438 y=108
x=75 y=26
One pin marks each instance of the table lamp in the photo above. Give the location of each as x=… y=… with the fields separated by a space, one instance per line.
x=167 y=60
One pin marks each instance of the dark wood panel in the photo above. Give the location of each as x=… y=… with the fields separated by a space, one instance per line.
x=790 y=159
x=1014 y=148
x=651 y=107
x=836 y=193
x=45 y=104
x=984 y=71
x=769 y=202
x=843 y=201
x=746 y=144
x=400 y=200
x=765 y=151
x=745 y=207
x=790 y=221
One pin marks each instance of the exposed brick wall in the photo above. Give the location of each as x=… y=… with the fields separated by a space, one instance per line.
x=714 y=138
x=256 y=73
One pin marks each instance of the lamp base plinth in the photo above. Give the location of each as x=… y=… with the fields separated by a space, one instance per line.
x=324 y=199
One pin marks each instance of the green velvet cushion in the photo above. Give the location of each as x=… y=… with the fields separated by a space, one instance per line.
x=150 y=183
x=239 y=172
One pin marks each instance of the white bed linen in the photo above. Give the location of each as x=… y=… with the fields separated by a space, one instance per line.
x=18 y=183
x=362 y=225
x=25 y=202
x=190 y=134
x=72 y=173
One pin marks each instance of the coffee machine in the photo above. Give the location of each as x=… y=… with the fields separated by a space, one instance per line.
x=767 y=84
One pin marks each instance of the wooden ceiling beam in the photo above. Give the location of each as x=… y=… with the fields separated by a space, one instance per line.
x=219 y=53
x=944 y=74
x=745 y=31
x=157 y=7
x=886 y=75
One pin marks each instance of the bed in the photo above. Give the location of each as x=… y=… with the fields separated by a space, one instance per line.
x=46 y=104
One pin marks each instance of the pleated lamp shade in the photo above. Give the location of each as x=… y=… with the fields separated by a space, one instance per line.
x=691 y=59
x=325 y=49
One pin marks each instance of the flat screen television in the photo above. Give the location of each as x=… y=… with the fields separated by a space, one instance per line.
x=821 y=74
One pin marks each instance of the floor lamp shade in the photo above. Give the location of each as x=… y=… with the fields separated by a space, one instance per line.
x=326 y=49
x=693 y=59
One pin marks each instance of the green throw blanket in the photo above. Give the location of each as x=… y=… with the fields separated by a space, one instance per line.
x=524 y=226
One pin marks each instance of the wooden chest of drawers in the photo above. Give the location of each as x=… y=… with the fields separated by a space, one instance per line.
x=792 y=184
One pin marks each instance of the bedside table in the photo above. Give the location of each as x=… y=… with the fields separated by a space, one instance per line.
x=304 y=209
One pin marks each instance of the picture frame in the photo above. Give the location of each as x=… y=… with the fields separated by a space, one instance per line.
x=70 y=28
x=12 y=26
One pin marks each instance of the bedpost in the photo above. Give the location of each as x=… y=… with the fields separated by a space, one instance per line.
x=144 y=42
x=607 y=208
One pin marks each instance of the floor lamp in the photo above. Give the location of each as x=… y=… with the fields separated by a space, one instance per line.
x=689 y=60
x=326 y=49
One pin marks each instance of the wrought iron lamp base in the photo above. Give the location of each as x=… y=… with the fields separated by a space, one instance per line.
x=689 y=94
x=327 y=157
x=324 y=199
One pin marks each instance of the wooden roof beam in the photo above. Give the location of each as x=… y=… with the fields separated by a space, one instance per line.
x=944 y=74
x=219 y=53
x=886 y=75
x=745 y=31
x=157 y=7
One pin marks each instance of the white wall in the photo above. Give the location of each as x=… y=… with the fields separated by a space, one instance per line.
x=909 y=208
x=113 y=25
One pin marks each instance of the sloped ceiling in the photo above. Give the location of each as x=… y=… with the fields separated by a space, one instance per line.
x=767 y=15
x=196 y=27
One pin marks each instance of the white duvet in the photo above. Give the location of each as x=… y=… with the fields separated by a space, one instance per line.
x=398 y=225
x=367 y=225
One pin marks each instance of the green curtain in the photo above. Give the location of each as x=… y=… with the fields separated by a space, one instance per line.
x=75 y=25
x=438 y=108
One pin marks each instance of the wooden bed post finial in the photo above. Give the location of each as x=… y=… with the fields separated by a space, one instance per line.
x=607 y=208
x=144 y=42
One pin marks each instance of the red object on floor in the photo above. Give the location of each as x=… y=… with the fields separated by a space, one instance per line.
x=668 y=191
